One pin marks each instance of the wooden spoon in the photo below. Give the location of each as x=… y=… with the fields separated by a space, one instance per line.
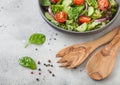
x=74 y=55
x=101 y=64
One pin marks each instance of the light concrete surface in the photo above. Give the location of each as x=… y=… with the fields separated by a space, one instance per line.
x=21 y=18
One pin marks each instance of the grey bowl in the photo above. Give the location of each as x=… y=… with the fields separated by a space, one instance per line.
x=82 y=33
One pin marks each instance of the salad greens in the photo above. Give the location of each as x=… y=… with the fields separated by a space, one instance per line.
x=74 y=12
x=27 y=62
x=36 y=38
x=45 y=3
x=82 y=15
x=56 y=8
x=92 y=3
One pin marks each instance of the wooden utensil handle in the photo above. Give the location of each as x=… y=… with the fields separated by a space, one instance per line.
x=106 y=38
x=113 y=43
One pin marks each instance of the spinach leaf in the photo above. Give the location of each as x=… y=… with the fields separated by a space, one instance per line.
x=45 y=3
x=73 y=12
x=27 y=62
x=56 y=8
x=36 y=38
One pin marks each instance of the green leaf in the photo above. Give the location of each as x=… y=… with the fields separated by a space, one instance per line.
x=74 y=12
x=45 y=2
x=92 y=3
x=27 y=62
x=59 y=2
x=36 y=38
x=56 y=8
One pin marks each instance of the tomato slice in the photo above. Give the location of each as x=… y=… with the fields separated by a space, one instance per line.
x=83 y=19
x=103 y=4
x=79 y=2
x=61 y=17
x=55 y=1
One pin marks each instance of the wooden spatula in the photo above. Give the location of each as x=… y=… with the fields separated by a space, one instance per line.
x=74 y=55
x=101 y=64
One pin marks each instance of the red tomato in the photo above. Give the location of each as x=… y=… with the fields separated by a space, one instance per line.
x=79 y=2
x=55 y=1
x=61 y=17
x=103 y=4
x=83 y=19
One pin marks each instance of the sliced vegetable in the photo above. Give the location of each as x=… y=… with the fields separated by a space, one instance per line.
x=28 y=62
x=36 y=38
x=45 y=3
x=78 y=2
x=67 y=3
x=66 y=9
x=74 y=12
x=55 y=1
x=56 y=8
x=71 y=25
x=97 y=14
x=50 y=11
x=61 y=17
x=83 y=19
x=100 y=20
x=92 y=25
x=49 y=17
x=82 y=28
x=103 y=4
x=90 y=10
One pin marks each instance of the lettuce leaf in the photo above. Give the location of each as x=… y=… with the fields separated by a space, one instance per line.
x=74 y=12
x=45 y=3
x=56 y=8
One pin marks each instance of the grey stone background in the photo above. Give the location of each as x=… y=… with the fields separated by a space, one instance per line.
x=21 y=18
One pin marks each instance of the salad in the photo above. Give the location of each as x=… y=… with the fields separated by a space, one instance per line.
x=79 y=15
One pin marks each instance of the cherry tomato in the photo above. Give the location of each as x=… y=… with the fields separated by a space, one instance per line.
x=83 y=19
x=79 y=2
x=103 y=4
x=55 y=1
x=61 y=17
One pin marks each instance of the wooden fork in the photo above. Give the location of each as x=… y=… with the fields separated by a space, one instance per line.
x=76 y=54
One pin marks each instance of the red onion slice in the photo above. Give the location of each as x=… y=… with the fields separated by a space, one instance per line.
x=100 y=20
x=50 y=11
x=86 y=8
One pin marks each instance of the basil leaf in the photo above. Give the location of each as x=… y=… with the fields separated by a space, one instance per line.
x=36 y=38
x=73 y=13
x=45 y=3
x=27 y=62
